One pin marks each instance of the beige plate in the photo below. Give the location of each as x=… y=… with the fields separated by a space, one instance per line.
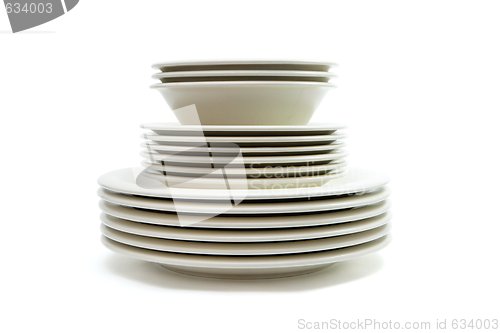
x=247 y=221
x=246 y=141
x=244 y=65
x=243 y=75
x=245 y=151
x=242 y=183
x=131 y=181
x=245 y=249
x=277 y=171
x=209 y=160
x=249 y=267
x=176 y=129
x=244 y=235
x=270 y=207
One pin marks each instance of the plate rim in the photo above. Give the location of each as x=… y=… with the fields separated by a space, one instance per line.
x=247 y=222
x=205 y=84
x=246 y=139
x=329 y=189
x=251 y=262
x=180 y=158
x=240 y=62
x=244 y=235
x=176 y=126
x=246 y=249
x=275 y=149
x=241 y=72
x=312 y=168
x=109 y=201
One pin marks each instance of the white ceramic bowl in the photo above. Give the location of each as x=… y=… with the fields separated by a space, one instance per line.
x=244 y=103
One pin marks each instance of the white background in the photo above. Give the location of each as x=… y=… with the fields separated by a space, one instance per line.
x=418 y=86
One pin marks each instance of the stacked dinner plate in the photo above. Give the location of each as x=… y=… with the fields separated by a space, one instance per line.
x=257 y=193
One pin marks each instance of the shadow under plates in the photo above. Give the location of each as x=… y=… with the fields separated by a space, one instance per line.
x=156 y=275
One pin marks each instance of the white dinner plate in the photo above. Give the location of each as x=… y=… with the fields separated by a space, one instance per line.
x=247 y=221
x=243 y=75
x=270 y=207
x=245 y=235
x=245 y=249
x=244 y=65
x=248 y=267
x=259 y=183
x=245 y=141
x=225 y=160
x=352 y=181
x=245 y=151
x=172 y=129
x=253 y=172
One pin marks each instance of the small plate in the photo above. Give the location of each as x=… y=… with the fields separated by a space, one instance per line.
x=248 y=267
x=245 y=235
x=248 y=221
x=277 y=171
x=211 y=160
x=271 y=207
x=245 y=151
x=259 y=183
x=244 y=65
x=223 y=130
x=245 y=249
x=352 y=181
x=246 y=141
x=243 y=75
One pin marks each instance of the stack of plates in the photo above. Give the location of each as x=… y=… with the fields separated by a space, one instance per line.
x=244 y=92
x=262 y=156
x=244 y=187
x=262 y=233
